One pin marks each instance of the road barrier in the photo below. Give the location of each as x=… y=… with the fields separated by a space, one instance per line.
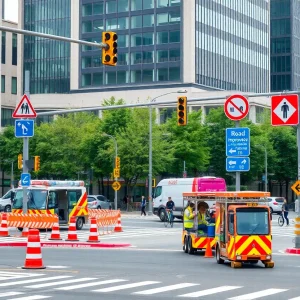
x=107 y=220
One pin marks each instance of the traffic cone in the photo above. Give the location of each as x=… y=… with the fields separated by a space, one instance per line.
x=24 y=232
x=72 y=234
x=3 y=227
x=93 y=237
x=118 y=227
x=208 y=251
x=55 y=235
x=34 y=253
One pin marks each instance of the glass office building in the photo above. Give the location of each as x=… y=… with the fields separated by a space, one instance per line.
x=285 y=45
x=47 y=60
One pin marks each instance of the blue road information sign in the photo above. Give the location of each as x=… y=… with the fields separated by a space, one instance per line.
x=24 y=128
x=237 y=164
x=237 y=141
x=25 y=179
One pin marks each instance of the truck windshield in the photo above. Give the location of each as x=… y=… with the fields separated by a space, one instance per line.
x=252 y=221
x=36 y=199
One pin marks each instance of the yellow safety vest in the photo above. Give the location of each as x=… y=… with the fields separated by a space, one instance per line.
x=188 y=218
x=201 y=219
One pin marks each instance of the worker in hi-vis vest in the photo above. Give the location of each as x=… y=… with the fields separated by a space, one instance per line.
x=188 y=217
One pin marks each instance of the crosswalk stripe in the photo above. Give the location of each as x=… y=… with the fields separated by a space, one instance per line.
x=33 y=297
x=210 y=291
x=260 y=294
x=32 y=280
x=166 y=288
x=37 y=286
x=125 y=286
x=10 y=294
x=79 y=286
x=297 y=298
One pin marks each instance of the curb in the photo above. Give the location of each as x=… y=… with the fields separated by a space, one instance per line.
x=292 y=251
x=66 y=245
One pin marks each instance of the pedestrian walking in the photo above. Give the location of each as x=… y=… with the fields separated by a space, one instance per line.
x=143 y=206
x=285 y=211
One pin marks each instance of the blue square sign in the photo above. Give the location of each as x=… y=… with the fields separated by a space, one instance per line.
x=237 y=141
x=237 y=164
x=24 y=128
x=25 y=179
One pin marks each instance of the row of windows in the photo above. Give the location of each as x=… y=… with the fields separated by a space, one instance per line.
x=141 y=57
x=280 y=64
x=6 y=117
x=281 y=82
x=134 y=76
x=280 y=8
x=123 y=6
x=122 y=23
x=280 y=45
x=142 y=39
x=14 y=84
x=280 y=27
x=14 y=60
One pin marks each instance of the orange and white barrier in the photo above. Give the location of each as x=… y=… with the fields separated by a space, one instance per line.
x=31 y=220
x=55 y=235
x=3 y=226
x=33 y=258
x=72 y=234
x=93 y=237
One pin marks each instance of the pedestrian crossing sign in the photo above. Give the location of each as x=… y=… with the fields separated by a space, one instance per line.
x=24 y=109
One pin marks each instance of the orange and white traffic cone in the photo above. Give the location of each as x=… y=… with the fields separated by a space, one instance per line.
x=93 y=237
x=118 y=227
x=55 y=235
x=208 y=251
x=3 y=228
x=72 y=234
x=34 y=253
x=25 y=232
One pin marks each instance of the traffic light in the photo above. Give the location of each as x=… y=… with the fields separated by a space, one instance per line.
x=20 y=161
x=153 y=182
x=117 y=162
x=182 y=111
x=37 y=164
x=109 y=54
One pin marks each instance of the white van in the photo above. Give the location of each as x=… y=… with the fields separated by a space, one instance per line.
x=175 y=187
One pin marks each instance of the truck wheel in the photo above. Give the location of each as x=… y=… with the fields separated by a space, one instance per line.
x=218 y=256
x=79 y=223
x=7 y=208
x=191 y=250
x=162 y=214
x=185 y=246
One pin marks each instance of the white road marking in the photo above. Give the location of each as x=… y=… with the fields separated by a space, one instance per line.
x=79 y=286
x=210 y=291
x=166 y=288
x=32 y=280
x=297 y=298
x=125 y=286
x=37 y=286
x=34 y=297
x=260 y=294
x=10 y=294
x=57 y=267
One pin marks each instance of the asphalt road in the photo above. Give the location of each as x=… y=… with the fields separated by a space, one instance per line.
x=155 y=267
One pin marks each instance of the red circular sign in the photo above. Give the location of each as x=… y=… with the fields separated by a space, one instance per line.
x=236 y=107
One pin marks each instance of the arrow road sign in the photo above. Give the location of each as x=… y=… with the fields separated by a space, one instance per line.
x=237 y=141
x=24 y=128
x=237 y=164
x=116 y=185
x=296 y=187
x=25 y=179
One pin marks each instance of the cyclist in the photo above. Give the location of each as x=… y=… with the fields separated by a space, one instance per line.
x=170 y=206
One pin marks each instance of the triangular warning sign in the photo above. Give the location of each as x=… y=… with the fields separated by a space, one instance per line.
x=24 y=109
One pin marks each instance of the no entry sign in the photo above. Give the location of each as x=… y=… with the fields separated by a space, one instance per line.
x=236 y=107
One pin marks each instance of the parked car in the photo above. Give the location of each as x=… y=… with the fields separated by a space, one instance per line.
x=98 y=202
x=275 y=204
x=5 y=202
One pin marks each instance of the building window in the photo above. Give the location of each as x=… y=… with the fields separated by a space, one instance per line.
x=174 y=74
x=148 y=20
x=122 y=59
x=123 y=23
x=87 y=10
x=111 y=7
x=136 y=40
x=163 y=37
x=167 y=3
x=86 y=26
x=147 y=75
x=147 y=57
x=162 y=74
x=98 y=25
x=162 y=55
x=281 y=27
x=98 y=8
x=3 y=52
x=148 y=39
x=136 y=4
x=86 y=80
x=136 y=58
x=168 y=18
x=111 y=24
x=174 y=37
x=122 y=77
x=14 y=85
x=123 y=40
x=6 y=118
x=123 y=6
x=111 y=77
x=281 y=64
x=2 y=83
x=136 y=22
x=136 y=76
x=148 y=4
x=162 y=19
x=174 y=55
x=280 y=45
x=98 y=79
x=86 y=62
x=14 y=49
x=97 y=61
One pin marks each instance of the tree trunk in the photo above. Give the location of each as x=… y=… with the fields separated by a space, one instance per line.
x=287 y=181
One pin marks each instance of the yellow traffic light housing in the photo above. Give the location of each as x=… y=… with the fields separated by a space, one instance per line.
x=37 y=164
x=181 y=111
x=109 y=54
x=20 y=161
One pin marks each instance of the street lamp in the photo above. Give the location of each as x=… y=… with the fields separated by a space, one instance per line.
x=116 y=155
x=150 y=146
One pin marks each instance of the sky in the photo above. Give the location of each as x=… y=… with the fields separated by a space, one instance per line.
x=11 y=10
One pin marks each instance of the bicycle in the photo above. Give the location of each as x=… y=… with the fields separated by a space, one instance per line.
x=168 y=219
x=280 y=220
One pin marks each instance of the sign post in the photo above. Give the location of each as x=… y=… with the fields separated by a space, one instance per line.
x=236 y=108
x=297 y=237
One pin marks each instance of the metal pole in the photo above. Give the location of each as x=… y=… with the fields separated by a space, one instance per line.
x=237 y=174
x=150 y=162
x=26 y=145
x=266 y=170
x=297 y=237
x=116 y=179
x=12 y=175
